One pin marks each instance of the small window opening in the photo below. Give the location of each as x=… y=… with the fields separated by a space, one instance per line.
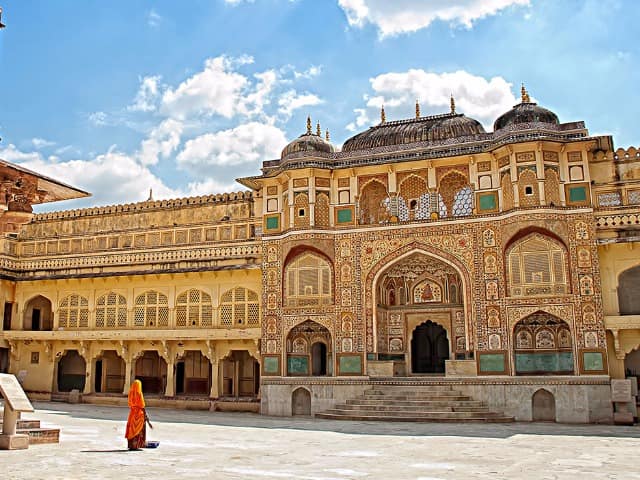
x=528 y=190
x=301 y=212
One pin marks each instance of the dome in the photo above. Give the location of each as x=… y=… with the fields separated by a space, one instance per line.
x=420 y=129
x=525 y=112
x=308 y=142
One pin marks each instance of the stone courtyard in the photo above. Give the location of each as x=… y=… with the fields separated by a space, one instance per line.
x=241 y=446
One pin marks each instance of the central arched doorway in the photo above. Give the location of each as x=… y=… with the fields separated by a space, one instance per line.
x=71 y=372
x=309 y=350
x=429 y=348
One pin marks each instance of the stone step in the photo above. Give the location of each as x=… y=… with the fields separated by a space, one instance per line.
x=444 y=398
x=24 y=423
x=451 y=418
x=404 y=413
x=386 y=401
x=41 y=435
x=414 y=408
x=418 y=390
x=409 y=393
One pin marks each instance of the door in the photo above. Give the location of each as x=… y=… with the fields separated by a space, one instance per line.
x=179 y=378
x=318 y=359
x=35 y=319
x=98 y=384
x=429 y=348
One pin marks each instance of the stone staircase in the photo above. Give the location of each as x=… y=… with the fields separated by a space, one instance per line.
x=37 y=434
x=398 y=403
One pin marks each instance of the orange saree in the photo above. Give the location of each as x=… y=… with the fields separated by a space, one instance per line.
x=136 y=434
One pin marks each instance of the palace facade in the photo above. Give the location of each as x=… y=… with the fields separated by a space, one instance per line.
x=425 y=250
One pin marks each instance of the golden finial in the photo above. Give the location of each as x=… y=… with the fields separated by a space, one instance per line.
x=453 y=104
x=308 y=125
x=326 y=136
x=383 y=117
x=524 y=94
x=417 y=109
x=318 y=130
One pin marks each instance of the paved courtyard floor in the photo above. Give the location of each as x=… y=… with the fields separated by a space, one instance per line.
x=207 y=445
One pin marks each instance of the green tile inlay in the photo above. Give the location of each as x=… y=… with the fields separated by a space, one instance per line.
x=492 y=362
x=272 y=222
x=577 y=194
x=344 y=215
x=488 y=201
x=350 y=364
x=592 y=361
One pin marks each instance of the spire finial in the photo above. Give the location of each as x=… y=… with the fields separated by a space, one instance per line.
x=417 y=109
x=1 y=24
x=453 y=104
x=326 y=136
x=308 y=125
x=383 y=117
x=318 y=130
x=524 y=94
x=150 y=199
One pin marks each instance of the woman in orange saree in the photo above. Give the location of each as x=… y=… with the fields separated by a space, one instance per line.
x=136 y=433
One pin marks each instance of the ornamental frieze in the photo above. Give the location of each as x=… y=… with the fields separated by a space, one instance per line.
x=460 y=246
x=563 y=312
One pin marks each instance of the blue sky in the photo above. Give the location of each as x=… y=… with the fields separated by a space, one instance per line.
x=183 y=97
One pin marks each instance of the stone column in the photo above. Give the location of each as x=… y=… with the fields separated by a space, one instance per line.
x=170 y=390
x=88 y=377
x=215 y=378
x=128 y=367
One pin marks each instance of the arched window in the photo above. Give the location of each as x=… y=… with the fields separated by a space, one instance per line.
x=321 y=217
x=537 y=265
x=450 y=188
x=73 y=312
x=194 y=309
x=528 y=189
x=507 y=192
x=629 y=291
x=308 y=281
x=373 y=204
x=151 y=310
x=239 y=307
x=301 y=211
x=551 y=187
x=463 y=202
x=111 y=311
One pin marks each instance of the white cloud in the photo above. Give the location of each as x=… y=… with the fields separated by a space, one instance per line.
x=237 y=2
x=312 y=71
x=477 y=97
x=292 y=100
x=210 y=185
x=403 y=16
x=99 y=119
x=217 y=89
x=38 y=143
x=246 y=143
x=148 y=94
x=154 y=19
x=161 y=142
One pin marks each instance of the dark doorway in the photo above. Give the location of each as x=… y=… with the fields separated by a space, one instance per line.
x=318 y=359
x=179 y=378
x=429 y=348
x=35 y=319
x=98 y=384
x=4 y=360
x=6 y=320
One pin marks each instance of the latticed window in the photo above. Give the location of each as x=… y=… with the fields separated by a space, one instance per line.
x=239 y=307
x=194 y=309
x=308 y=281
x=151 y=310
x=537 y=266
x=73 y=312
x=111 y=311
x=463 y=202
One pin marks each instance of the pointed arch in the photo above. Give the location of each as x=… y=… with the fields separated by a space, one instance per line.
x=551 y=187
x=373 y=203
x=301 y=210
x=321 y=215
x=308 y=279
